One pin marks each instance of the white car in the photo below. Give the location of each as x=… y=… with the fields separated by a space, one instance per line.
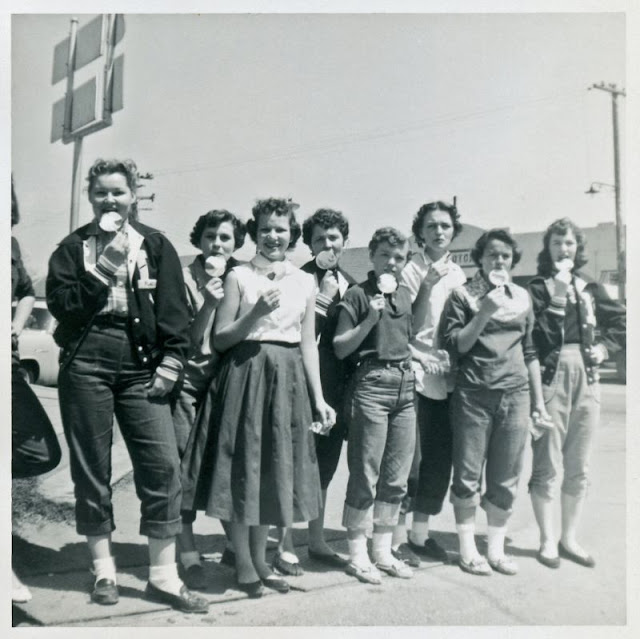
x=38 y=351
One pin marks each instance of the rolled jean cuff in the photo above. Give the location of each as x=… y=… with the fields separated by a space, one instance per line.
x=541 y=491
x=495 y=511
x=464 y=502
x=93 y=529
x=385 y=514
x=357 y=519
x=161 y=529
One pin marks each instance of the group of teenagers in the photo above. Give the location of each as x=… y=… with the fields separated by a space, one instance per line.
x=235 y=386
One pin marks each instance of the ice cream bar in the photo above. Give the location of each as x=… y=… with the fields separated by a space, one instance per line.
x=499 y=277
x=387 y=283
x=111 y=222
x=565 y=264
x=326 y=260
x=215 y=265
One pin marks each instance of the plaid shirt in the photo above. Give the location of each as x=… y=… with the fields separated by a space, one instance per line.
x=117 y=278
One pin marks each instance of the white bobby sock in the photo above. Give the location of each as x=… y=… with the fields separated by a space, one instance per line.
x=381 y=548
x=419 y=532
x=495 y=541
x=358 y=551
x=191 y=558
x=468 y=549
x=399 y=535
x=166 y=578
x=104 y=569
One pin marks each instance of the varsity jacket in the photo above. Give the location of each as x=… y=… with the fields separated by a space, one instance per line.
x=158 y=319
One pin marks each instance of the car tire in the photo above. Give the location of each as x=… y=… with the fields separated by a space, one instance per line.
x=29 y=372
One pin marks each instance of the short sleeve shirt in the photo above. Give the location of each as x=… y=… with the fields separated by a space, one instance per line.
x=283 y=324
x=389 y=339
x=425 y=338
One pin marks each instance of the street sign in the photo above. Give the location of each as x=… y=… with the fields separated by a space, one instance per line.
x=90 y=45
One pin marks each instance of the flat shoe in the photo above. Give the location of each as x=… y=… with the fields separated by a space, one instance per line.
x=404 y=553
x=366 y=574
x=587 y=562
x=396 y=569
x=549 y=562
x=477 y=566
x=505 y=565
x=285 y=567
x=431 y=549
x=194 y=577
x=254 y=589
x=334 y=559
x=277 y=584
x=20 y=594
x=186 y=601
x=105 y=592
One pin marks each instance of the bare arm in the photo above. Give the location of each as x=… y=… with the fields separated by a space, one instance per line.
x=23 y=310
x=309 y=350
x=349 y=335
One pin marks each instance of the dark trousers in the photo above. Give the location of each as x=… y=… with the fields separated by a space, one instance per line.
x=103 y=380
x=34 y=445
x=435 y=441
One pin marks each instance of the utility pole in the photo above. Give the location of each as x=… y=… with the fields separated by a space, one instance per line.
x=620 y=236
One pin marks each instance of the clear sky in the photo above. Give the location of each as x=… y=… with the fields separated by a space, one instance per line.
x=371 y=114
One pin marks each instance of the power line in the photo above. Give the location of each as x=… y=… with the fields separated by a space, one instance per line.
x=332 y=143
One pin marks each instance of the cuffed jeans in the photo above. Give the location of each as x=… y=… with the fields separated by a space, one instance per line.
x=574 y=406
x=381 y=444
x=490 y=428
x=104 y=379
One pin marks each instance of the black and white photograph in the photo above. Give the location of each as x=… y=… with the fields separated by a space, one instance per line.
x=319 y=316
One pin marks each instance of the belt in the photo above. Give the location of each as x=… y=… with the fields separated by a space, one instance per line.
x=403 y=365
x=108 y=320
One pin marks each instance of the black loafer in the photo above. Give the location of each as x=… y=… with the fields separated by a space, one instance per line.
x=333 y=559
x=254 y=589
x=105 y=592
x=277 y=584
x=549 y=562
x=285 y=567
x=587 y=562
x=404 y=553
x=431 y=549
x=186 y=601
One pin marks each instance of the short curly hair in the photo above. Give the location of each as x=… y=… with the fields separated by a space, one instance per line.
x=418 y=220
x=546 y=267
x=386 y=234
x=128 y=168
x=277 y=206
x=213 y=219
x=326 y=219
x=495 y=234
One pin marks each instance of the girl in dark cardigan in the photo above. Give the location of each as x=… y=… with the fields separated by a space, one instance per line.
x=567 y=311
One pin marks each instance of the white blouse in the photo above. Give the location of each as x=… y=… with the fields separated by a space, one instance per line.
x=284 y=324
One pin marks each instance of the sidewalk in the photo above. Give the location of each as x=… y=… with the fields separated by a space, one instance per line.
x=54 y=562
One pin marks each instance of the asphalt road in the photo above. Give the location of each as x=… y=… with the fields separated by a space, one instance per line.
x=54 y=563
